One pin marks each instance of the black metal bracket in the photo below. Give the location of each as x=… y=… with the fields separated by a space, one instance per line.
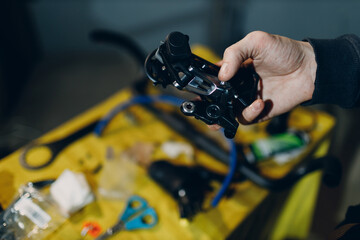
x=172 y=63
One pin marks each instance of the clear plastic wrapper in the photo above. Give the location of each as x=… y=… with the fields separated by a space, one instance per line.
x=32 y=215
x=117 y=179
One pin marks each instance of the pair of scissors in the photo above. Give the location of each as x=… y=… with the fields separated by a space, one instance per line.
x=137 y=215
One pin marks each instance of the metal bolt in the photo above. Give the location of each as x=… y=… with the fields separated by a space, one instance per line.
x=188 y=107
x=182 y=193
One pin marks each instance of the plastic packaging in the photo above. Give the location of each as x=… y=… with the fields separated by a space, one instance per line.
x=117 y=179
x=279 y=147
x=32 y=215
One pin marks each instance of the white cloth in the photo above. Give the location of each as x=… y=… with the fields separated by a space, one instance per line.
x=71 y=192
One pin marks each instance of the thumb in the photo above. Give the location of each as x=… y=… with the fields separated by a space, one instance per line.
x=250 y=113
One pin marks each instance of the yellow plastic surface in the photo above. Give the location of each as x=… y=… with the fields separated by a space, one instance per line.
x=138 y=125
x=295 y=219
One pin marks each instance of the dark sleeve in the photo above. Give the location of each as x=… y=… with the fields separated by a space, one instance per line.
x=338 y=71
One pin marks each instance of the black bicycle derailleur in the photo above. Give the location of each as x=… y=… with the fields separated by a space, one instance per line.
x=173 y=63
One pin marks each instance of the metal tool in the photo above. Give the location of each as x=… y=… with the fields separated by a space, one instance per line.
x=54 y=147
x=137 y=215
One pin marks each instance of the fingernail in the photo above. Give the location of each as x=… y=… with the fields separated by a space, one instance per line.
x=256 y=106
x=223 y=69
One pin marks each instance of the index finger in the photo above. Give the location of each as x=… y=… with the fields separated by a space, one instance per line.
x=236 y=54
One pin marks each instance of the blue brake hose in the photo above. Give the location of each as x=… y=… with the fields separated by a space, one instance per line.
x=176 y=102
x=136 y=100
x=229 y=176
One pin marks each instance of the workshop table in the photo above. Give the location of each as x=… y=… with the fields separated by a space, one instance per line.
x=251 y=212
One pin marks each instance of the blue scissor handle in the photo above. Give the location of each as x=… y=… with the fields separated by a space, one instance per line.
x=135 y=204
x=145 y=220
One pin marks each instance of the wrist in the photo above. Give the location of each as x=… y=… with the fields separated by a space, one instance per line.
x=309 y=68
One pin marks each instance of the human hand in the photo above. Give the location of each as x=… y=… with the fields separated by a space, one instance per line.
x=287 y=70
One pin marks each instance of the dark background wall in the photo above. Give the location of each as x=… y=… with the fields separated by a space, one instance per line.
x=63 y=25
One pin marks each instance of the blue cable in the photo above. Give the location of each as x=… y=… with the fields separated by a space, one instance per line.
x=177 y=102
x=229 y=176
x=136 y=100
